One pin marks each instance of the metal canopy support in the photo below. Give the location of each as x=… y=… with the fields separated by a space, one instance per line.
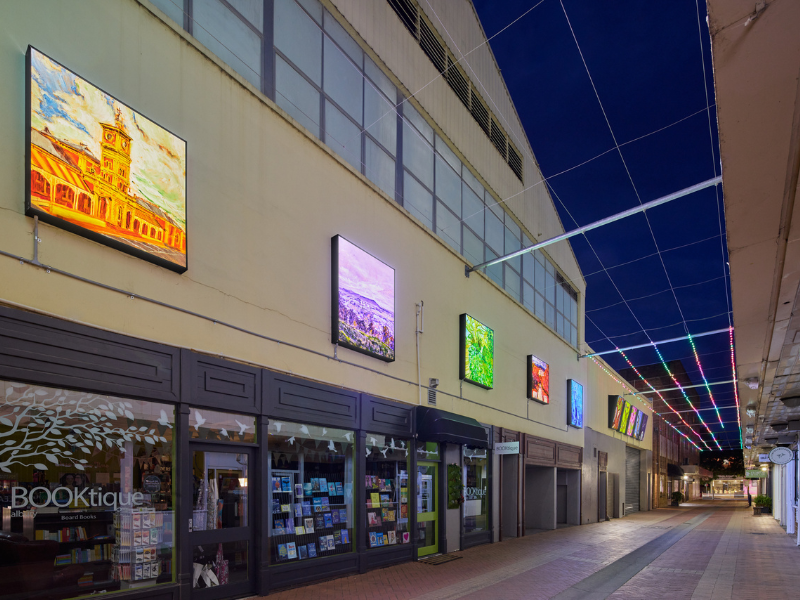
x=596 y=224
x=684 y=387
x=648 y=344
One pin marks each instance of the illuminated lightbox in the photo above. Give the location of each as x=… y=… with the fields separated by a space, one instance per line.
x=538 y=380
x=574 y=404
x=99 y=169
x=476 y=346
x=362 y=301
x=626 y=418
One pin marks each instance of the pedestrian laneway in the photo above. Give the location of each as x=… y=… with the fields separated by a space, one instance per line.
x=707 y=550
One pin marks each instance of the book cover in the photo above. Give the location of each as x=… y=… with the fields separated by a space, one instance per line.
x=307 y=488
x=386 y=500
x=339 y=488
x=137 y=521
x=388 y=485
x=276 y=484
x=309 y=525
x=286 y=484
x=286 y=508
x=137 y=573
x=392 y=538
x=343 y=515
x=368 y=481
x=380 y=539
x=280 y=523
x=390 y=515
x=384 y=512
x=323 y=484
x=290 y=526
x=306 y=508
x=312 y=550
x=406 y=537
x=139 y=555
x=300 y=530
x=314 y=484
x=282 y=552
x=319 y=522
x=317 y=504
x=298 y=509
x=404 y=511
x=302 y=551
x=373 y=539
x=335 y=517
x=331 y=545
x=137 y=538
x=345 y=536
x=276 y=505
x=298 y=489
x=291 y=550
x=328 y=520
x=337 y=538
x=146 y=571
x=326 y=505
x=376 y=499
x=154 y=536
x=372 y=519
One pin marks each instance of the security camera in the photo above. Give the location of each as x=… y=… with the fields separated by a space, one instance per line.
x=434 y=383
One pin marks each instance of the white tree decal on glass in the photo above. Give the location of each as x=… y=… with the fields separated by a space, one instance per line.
x=44 y=425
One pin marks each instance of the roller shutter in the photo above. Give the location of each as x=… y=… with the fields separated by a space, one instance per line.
x=631 y=480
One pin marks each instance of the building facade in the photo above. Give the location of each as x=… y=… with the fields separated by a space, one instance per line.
x=317 y=380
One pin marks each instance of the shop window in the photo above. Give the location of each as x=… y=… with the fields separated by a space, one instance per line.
x=311 y=491
x=476 y=490
x=220 y=490
x=92 y=497
x=221 y=427
x=387 y=489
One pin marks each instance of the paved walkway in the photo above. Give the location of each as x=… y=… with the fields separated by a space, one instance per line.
x=708 y=550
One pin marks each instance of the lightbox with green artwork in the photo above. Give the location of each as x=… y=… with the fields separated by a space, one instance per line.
x=476 y=349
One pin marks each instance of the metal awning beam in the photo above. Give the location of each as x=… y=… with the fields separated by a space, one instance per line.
x=648 y=344
x=596 y=224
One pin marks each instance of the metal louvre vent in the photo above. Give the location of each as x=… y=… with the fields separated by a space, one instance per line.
x=431 y=397
x=417 y=23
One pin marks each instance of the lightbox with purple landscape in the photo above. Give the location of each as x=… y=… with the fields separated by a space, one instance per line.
x=362 y=301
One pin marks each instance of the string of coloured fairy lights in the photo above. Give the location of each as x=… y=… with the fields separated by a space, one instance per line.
x=686 y=396
x=638 y=397
x=703 y=375
x=667 y=404
x=735 y=388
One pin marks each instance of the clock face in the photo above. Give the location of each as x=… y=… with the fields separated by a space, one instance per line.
x=109 y=136
x=124 y=143
x=780 y=455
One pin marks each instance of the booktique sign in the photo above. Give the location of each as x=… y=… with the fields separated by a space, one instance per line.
x=62 y=497
x=506 y=448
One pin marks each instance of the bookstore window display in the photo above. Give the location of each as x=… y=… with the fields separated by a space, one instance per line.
x=90 y=508
x=476 y=487
x=387 y=491
x=311 y=491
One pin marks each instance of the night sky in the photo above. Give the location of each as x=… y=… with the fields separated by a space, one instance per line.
x=648 y=278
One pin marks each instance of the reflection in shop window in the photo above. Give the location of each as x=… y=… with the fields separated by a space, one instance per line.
x=311 y=471
x=476 y=489
x=89 y=502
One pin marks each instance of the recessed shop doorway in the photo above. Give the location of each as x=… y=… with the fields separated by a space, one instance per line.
x=509 y=495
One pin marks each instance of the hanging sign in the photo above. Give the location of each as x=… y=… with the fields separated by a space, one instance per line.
x=506 y=448
x=781 y=455
x=763 y=458
x=755 y=474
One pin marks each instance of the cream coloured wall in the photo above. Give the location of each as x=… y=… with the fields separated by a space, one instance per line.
x=264 y=201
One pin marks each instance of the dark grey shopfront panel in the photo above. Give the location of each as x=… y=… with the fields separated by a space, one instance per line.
x=385 y=416
x=299 y=400
x=48 y=351
x=221 y=384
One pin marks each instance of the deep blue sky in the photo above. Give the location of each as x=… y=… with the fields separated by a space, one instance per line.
x=646 y=281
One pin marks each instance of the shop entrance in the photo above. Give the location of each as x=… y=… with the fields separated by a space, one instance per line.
x=221 y=528
x=427 y=514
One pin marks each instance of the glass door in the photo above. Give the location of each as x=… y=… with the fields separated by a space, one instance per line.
x=427 y=521
x=221 y=531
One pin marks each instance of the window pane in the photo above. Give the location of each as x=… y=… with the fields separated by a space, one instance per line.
x=417 y=200
x=296 y=96
x=560 y=323
x=220 y=482
x=234 y=554
x=512 y=225
x=410 y=113
x=299 y=38
x=417 y=155
x=380 y=79
x=311 y=491
x=172 y=8
x=222 y=32
x=252 y=10
x=495 y=272
x=473 y=247
x=512 y=245
x=549 y=288
x=550 y=315
x=341 y=37
x=221 y=427
x=574 y=311
x=476 y=490
x=573 y=336
x=512 y=281
x=342 y=136
x=448 y=227
x=473 y=210
x=313 y=7
x=539 y=281
x=380 y=168
x=450 y=156
x=343 y=81
x=540 y=306
x=472 y=181
x=387 y=491
x=495 y=206
x=526 y=242
x=380 y=118
x=528 y=270
x=97 y=487
x=448 y=186
x=494 y=232
x=559 y=298
x=527 y=296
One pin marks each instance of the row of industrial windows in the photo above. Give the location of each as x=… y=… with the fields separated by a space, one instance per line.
x=324 y=80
